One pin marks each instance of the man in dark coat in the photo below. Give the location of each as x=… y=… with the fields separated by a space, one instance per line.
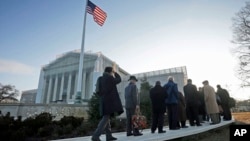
x=224 y=97
x=110 y=103
x=131 y=105
x=158 y=96
x=192 y=103
x=202 y=107
x=182 y=111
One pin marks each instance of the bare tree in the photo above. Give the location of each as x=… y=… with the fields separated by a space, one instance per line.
x=8 y=92
x=241 y=37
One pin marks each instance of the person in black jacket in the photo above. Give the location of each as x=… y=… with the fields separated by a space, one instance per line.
x=110 y=103
x=192 y=103
x=224 y=97
x=158 y=96
x=202 y=107
x=182 y=111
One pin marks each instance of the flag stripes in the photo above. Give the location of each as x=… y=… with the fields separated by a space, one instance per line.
x=98 y=14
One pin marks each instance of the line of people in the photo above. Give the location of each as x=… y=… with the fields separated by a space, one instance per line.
x=194 y=105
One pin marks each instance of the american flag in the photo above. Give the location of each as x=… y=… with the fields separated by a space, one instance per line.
x=98 y=14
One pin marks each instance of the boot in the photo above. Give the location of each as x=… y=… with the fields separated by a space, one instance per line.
x=110 y=138
x=95 y=139
x=183 y=124
x=136 y=132
x=160 y=130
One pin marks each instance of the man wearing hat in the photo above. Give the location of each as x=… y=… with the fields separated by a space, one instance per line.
x=131 y=104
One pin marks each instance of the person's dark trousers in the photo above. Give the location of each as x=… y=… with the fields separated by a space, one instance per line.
x=178 y=124
x=104 y=124
x=157 y=121
x=129 y=114
x=172 y=115
x=226 y=112
x=193 y=112
x=183 y=124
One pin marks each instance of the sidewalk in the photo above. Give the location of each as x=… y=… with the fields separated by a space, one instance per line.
x=148 y=136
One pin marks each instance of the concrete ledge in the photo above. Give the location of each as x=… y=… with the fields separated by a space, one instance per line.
x=148 y=136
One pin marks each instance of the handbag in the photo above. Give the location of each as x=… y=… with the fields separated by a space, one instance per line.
x=138 y=120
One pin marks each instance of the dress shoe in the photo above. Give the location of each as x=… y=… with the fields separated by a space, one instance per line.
x=138 y=134
x=95 y=139
x=130 y=134
x=111 y=138
x=152 y=131
x=163 y=131
x=184 y=127
x=199 y=125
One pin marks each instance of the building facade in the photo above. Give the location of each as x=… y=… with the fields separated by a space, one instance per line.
x=58 y=79
x=179 y=74
x=28 y=96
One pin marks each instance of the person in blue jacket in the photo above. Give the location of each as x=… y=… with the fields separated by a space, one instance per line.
x=172 y=103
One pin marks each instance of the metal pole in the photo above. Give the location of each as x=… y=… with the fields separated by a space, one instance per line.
x=78 y=98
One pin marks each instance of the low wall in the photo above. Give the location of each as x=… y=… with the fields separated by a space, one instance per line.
x=57 y=110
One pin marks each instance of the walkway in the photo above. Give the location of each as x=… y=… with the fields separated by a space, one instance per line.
x=148 y=136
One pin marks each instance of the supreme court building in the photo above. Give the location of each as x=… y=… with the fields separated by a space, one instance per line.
x=58 y=79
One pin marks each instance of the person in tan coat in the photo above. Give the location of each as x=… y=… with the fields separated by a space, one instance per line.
x=210 y=102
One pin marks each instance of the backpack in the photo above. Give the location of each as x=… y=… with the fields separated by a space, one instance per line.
x=98 y=86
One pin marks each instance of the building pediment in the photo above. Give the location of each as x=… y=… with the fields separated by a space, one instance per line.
x=71 y=59
x=64 y=61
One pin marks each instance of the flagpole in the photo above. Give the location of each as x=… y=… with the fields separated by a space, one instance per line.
x=78 y=98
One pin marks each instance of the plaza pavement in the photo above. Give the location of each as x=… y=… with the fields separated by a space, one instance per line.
x=148 y=136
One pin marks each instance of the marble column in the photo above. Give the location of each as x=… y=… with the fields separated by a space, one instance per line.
x=89 y=85
x=49 y=90
x=55 y=89
x=75 y=87
x=69 y=86
x=83 y=85
x=44 y=93
x=40 y=89
x=61 y=89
